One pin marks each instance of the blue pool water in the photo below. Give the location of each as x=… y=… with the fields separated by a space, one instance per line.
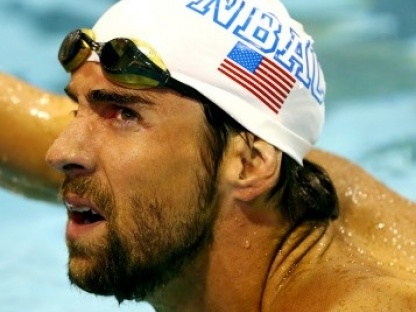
x=367 y=48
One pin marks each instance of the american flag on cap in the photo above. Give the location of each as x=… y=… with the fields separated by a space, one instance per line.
x=263 y=77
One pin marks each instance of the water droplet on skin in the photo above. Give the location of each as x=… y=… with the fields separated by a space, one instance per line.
x=247 y=244
x=44 y=100
x=411 y=270
x=381 y=226
x=356 y=194
x=14 y=100
x=37 y=113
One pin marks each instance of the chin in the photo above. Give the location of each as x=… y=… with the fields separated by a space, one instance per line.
x=84 y=274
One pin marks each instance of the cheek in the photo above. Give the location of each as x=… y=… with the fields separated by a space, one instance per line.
x=161 y=166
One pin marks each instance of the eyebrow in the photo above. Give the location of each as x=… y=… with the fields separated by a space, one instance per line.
x=120 y=97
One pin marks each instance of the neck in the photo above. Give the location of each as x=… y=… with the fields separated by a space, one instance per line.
x=251 y=256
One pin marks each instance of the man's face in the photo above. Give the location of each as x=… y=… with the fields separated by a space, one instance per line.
x=140 y=198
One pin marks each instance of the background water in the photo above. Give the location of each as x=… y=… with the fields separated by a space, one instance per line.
x=367 y=49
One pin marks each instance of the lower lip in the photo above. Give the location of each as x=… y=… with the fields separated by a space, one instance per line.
x=76 y=230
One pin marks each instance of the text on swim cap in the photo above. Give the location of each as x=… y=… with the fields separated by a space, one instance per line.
x=265 y=32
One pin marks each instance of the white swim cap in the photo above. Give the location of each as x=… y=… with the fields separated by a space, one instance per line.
x=247 y=56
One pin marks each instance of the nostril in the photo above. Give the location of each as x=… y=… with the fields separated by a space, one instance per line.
x=68 y=168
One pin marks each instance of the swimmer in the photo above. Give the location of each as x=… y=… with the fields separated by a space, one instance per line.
x=187 y=185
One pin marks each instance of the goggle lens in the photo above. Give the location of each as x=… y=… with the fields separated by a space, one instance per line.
x=121 y=59
x=124 y=63
x=73 y=51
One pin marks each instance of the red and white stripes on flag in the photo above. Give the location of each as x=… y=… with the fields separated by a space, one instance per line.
x=261 y=76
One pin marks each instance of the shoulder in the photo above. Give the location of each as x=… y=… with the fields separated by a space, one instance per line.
x=348 y=177
x=348 y=291
x=373 y=218
x=378 y=294
x=359 y=192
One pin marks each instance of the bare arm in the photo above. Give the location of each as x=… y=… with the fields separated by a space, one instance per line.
x=30 y=119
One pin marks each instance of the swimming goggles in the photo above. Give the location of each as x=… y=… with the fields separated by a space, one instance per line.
x=127 y=62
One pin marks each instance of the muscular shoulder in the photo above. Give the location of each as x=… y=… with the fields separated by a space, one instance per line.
x=363 y=196
x=378 y=294
x=346 y=291
x=373 y=219
x=354 y=184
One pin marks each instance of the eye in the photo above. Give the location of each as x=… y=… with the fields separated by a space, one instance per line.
x=127 y=114
x=122 y=115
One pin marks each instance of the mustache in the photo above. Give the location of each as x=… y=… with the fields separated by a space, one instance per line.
x=94 y=191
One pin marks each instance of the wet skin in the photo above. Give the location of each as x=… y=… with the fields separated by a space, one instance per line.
x=364 y=260
x=30 y=119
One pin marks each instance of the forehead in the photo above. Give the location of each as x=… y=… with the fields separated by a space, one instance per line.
x=89 y=78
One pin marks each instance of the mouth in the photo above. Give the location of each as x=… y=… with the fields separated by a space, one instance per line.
x=83 y=216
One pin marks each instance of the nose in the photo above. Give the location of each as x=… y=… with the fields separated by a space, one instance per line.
x=72 y=153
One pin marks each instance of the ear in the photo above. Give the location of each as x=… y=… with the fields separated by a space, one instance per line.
x=253 y=166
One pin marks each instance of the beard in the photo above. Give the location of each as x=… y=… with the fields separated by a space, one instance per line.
x=143 y=247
